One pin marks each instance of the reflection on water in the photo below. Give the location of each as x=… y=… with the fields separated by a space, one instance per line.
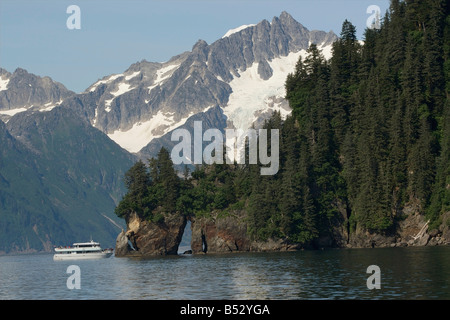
x=406 y=273
x=261 y=276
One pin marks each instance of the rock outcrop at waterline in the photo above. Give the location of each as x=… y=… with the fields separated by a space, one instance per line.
x=145 y=238
x=216 y=234
x=211 y=234
x=225 y=234
x=412 y=229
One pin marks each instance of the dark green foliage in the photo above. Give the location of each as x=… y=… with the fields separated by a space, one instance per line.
x=369 y=133
x=154 y=187
x=375 y=117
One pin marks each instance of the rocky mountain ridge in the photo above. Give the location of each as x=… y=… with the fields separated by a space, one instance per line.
x=151 y=99
x=242 y=73
x=21 y=91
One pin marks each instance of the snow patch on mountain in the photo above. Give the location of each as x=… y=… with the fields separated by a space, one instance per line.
x=131 y=76
x=121 y=89
x=3 y=84
x=142 y=133
x=110 y=79
x=13 y=111
x=251 y=94
x=235 y=30
x=50 y=105
x=163 y=74
x=327 y=51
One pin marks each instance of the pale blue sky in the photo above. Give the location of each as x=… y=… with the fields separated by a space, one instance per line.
x=114 y=34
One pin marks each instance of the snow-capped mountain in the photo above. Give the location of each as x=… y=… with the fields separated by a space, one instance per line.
x=240 y=77
x=243 y=74
x=21 y=91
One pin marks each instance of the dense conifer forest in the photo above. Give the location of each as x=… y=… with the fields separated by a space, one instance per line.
x=369 y=135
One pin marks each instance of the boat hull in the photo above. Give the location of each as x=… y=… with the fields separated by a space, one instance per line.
x=81 y=256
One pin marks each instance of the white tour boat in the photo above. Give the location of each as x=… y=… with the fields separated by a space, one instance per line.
x=82 y=250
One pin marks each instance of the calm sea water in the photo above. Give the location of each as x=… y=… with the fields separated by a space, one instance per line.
x=406 y=273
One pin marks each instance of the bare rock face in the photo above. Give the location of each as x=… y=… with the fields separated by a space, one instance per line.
x=219 y=235
x=144 y=238
x=212 y=234
x=444 y=228
x=412 y=230
x=122 y=248
x=365 y=239
x=229 y=234
x=225 y=234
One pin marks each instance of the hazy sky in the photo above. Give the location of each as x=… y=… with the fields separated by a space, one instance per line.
x=114 y=34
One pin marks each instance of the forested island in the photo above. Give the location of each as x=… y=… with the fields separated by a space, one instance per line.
x=364 y=156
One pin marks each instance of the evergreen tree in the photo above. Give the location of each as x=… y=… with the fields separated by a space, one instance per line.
x=137 y=181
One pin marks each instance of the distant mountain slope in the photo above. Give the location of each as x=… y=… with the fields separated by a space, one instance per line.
x=24 y=211
x=60 y=180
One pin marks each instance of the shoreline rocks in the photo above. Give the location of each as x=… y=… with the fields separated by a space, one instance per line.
x=227 y=234
x=146 y=238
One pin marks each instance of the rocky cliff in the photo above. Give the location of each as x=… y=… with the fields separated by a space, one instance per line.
x=412 y=230
x=212 y=234
x=145 y=238
x=227 y=234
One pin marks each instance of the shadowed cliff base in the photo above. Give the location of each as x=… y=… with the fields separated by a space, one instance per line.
x=209 y=235
x=228 y=234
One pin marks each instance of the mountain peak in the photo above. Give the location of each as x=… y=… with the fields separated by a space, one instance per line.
x=284 y=16
x=20 y=71
x=4 y=72
x=200 y=49
x=200 y=45
x=286 y=20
